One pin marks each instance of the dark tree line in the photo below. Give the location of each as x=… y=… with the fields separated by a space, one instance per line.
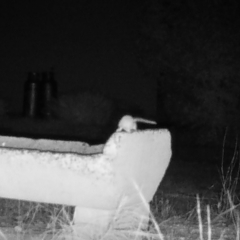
x=192 y=49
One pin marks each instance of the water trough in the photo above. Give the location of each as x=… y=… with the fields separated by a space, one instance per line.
x=96 y=179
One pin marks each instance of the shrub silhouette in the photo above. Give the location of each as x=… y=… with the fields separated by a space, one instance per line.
x=192 y=50
x=84 y=108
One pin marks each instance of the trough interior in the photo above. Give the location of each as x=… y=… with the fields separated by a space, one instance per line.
x=50 y=145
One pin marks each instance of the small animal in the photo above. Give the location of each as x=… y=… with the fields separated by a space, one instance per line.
x=129 y=123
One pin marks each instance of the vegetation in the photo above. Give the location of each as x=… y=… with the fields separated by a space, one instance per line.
x=3 y=108
x=85 y=108
x=191 y=48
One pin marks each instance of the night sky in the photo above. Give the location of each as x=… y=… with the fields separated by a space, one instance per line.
x=89 y=44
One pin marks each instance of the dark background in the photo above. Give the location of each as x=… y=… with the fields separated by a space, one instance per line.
x=90 y=44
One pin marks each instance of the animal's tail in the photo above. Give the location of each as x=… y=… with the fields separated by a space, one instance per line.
x=141 y=120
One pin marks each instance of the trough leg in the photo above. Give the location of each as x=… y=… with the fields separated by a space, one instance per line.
x=98 y=222
x=89 y=220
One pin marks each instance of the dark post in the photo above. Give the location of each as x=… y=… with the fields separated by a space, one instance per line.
x=161 y=109
x=31 y=95
x=48 y=92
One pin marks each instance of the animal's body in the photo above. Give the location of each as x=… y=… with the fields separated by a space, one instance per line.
x=129 y=123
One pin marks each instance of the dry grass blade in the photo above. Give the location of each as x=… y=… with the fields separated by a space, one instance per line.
x=2 y=235
x=199 y=218
x=159 y=233
x=209 y=223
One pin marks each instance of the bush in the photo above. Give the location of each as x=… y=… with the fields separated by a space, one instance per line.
x=3 y=108
x=84 y=108
x=192 y=49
